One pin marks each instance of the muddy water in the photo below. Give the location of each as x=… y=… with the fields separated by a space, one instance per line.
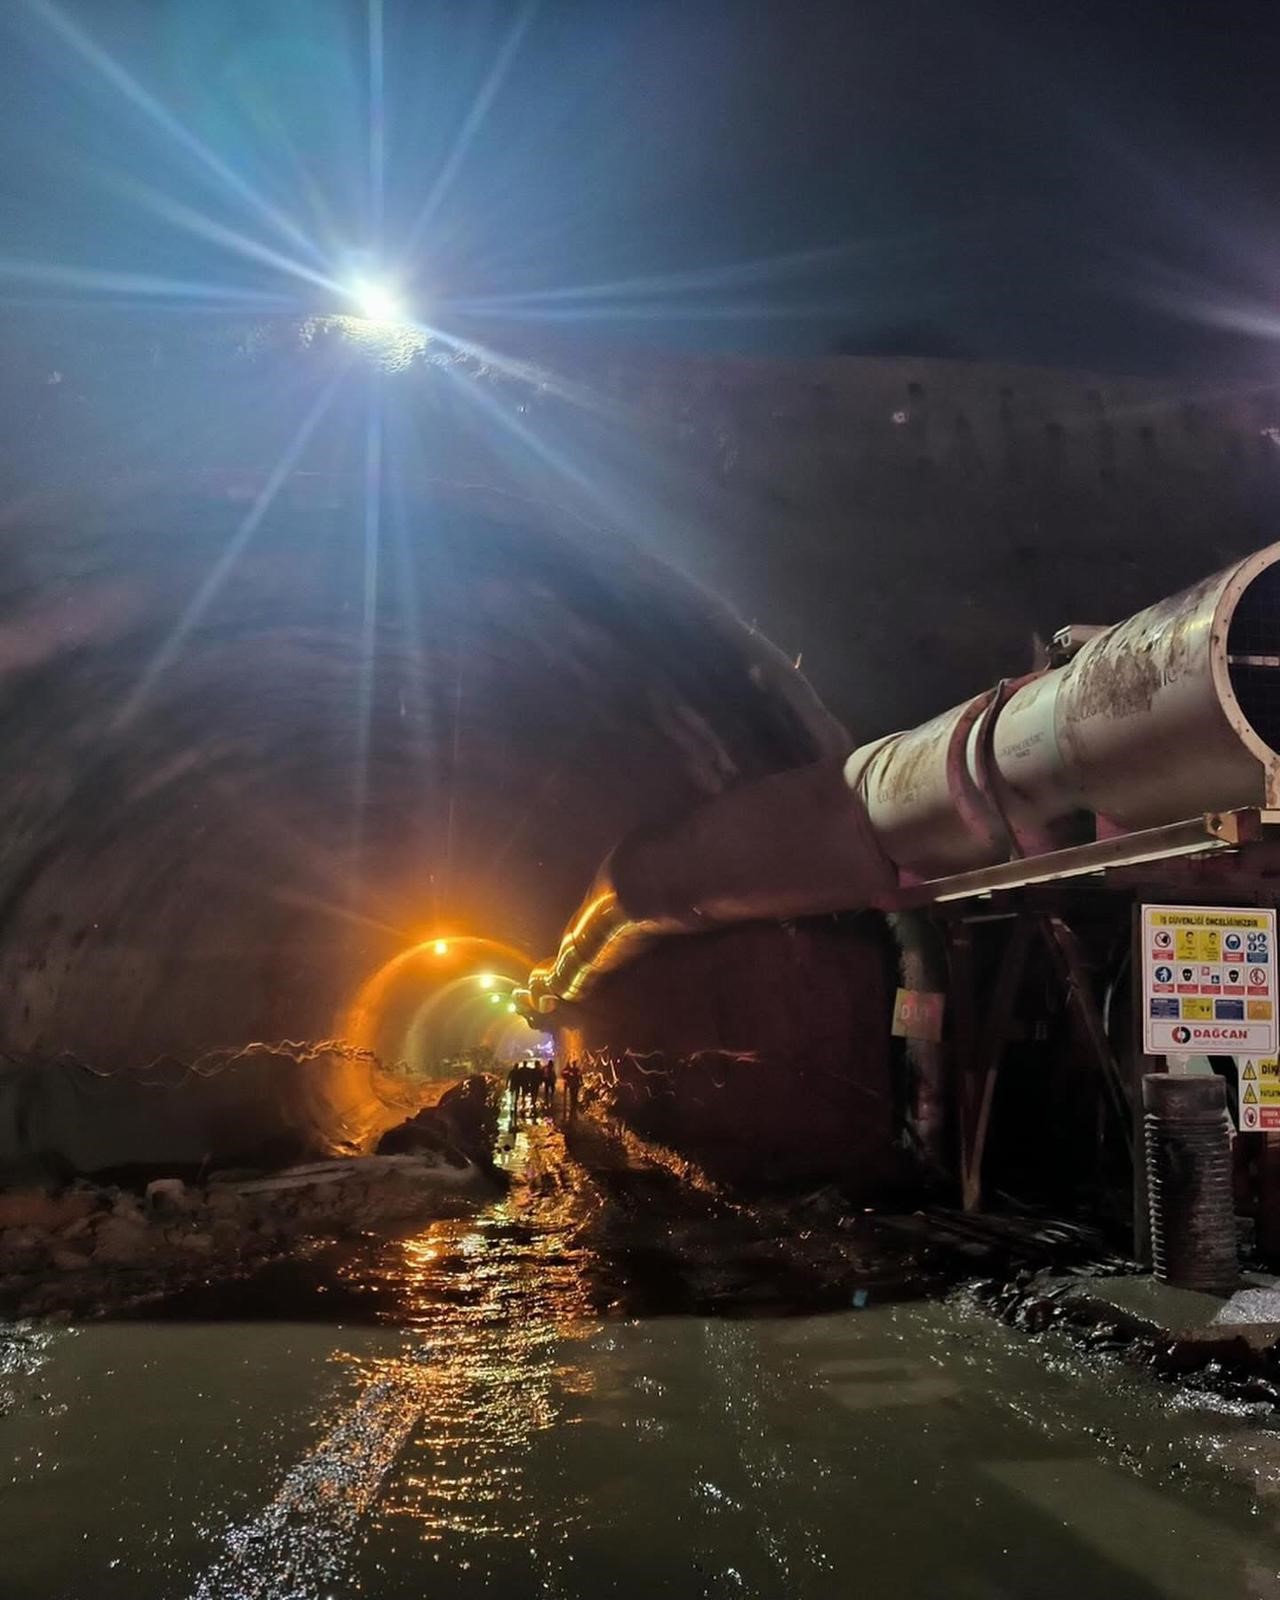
x=488 y=1408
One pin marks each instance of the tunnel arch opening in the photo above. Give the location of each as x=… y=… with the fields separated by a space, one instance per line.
x=441 y=1002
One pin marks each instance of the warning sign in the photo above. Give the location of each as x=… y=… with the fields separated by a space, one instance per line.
x=1259 y=1094
x=1206 y=957
x=917 y=1014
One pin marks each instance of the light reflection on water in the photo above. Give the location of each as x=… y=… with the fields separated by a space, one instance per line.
x=482 y=1427
x=495 y=1369
x=494 y=1303
x=520 y=1442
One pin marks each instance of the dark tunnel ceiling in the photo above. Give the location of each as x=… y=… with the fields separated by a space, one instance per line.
x=217 y=840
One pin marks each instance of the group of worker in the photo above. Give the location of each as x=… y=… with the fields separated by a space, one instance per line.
x=533 y=1087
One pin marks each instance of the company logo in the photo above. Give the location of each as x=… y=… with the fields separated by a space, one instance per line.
x=1181 y=1036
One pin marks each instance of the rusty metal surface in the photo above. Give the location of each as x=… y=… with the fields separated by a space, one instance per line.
x=921 y=796
x=1140 y=728
x=1024 y=746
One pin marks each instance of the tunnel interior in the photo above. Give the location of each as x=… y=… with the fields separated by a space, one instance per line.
x=313 y=782
x=321 y=645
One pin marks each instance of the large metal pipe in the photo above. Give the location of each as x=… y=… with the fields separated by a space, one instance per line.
x=1171 y=713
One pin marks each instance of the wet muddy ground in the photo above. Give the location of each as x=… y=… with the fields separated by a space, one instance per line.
x=610 y=1380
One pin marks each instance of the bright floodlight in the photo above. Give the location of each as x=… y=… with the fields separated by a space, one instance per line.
x=375 y=302
x=441 y=947
x=486 y=980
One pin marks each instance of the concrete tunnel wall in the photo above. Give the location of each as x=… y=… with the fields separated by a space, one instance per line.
x=182 y=870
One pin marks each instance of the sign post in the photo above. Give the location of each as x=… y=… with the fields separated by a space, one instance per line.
x=1208 y=981
x=1259 y=1087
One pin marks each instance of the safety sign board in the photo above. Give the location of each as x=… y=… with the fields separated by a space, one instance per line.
x=1209 y=984
x=917 y=1014
x=1259 y=1094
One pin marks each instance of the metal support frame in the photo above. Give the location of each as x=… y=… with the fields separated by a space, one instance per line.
x=1064 y=948
x=961 y=1001
x=1198 y=836
x=979 y=1071
x=1039 y=893
x=979 y=1036
x=922 y=961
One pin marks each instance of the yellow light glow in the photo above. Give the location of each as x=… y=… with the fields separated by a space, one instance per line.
x=486 y=980
x=441 y=947
x=363 y=1017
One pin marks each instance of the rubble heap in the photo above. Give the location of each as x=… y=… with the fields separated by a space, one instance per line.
x=93 y=1249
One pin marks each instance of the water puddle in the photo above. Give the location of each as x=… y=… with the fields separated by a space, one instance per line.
x=490 y=1406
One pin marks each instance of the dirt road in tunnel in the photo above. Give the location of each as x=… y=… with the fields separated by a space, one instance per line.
x=598 y=1384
